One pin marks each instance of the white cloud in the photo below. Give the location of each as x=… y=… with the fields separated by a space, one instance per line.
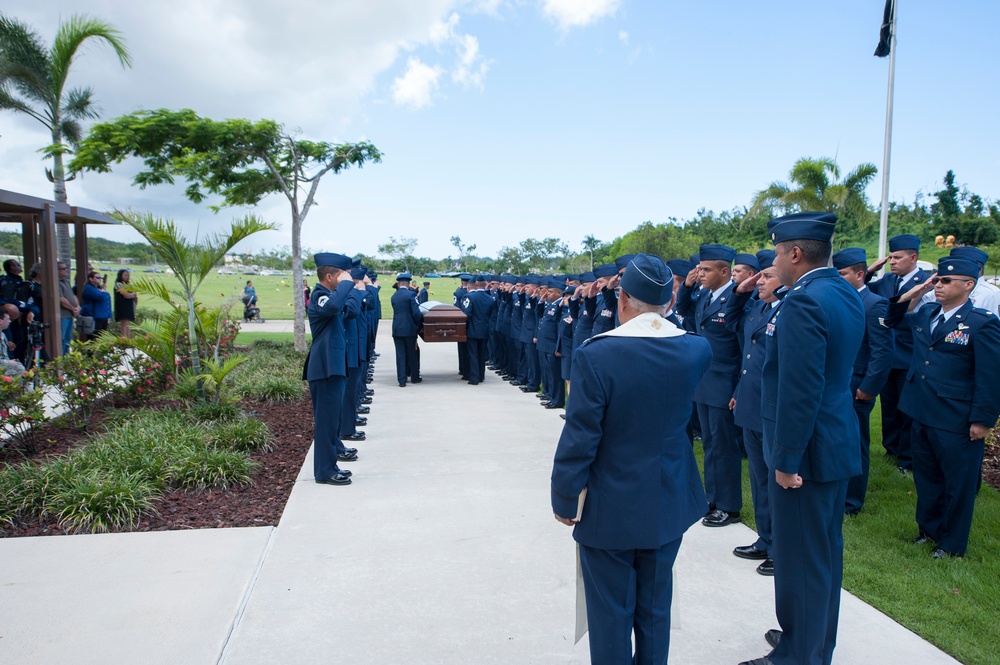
x=417 y=85
x=623 y=37
x=471 y=68
x=578 y=13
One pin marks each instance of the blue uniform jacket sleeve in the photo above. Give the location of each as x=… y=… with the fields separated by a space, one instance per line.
x=736 y=310
x=986 y=397
x=352 y=308
x=580 y=437
x=881 y=344
x=685 y=303
x=334 y=305
x=418 y=316
x=800 y=382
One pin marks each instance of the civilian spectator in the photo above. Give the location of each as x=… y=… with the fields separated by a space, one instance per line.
x=125 y=302
x=8 y=366
x=69 y=306
x=96 y=303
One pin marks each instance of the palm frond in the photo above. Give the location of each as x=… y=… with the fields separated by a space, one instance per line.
x=79 y=104
x=72 y=34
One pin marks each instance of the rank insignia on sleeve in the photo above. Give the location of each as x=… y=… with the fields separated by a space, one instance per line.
x=322 y=301
x=881 y=322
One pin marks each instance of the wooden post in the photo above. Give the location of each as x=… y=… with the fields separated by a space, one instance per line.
x=29 y=241
x=50 y=281
x=80 y=239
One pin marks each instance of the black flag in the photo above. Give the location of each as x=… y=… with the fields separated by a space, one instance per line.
x=884 y=35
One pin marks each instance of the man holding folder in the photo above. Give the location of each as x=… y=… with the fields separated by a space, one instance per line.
x=625 y=441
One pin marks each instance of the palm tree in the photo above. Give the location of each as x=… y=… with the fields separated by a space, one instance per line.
x=33 y=81
x=816 y=185
x=190 y=262
x=590 y=243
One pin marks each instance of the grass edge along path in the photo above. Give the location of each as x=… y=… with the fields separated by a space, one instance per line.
x=954 y=604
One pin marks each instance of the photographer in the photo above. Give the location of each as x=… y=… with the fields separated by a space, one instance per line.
x=96 y=304
x=8 y=366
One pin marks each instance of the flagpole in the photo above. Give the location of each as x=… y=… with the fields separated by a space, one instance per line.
x=883 y=225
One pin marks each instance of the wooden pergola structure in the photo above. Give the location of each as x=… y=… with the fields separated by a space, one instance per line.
x=38 y=218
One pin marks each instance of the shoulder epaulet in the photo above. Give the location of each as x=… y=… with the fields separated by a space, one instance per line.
x=984 y=312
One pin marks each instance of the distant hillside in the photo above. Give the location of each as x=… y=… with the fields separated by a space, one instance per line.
x=99 y=249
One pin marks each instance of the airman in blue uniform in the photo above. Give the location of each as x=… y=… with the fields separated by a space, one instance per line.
x=811 y=439
x=624 y=442
x=755 y=301
x=723 y=461
x=952 y=393
x=871 y=367
x=904 y=250
x=326 y=365
x=478 y=306
x=406 y=320
x=463 y=349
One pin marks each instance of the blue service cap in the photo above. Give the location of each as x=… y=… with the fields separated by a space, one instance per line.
x=480 y=279
x=803 y=226
x=972 y=254
x=680 y=266
x=647 y=278
x=623 y=260
x=355 y=262
x=572 y=278
x=404 y=277
x=765 y=258
x=605 y=270
x=717 y=253
x=951 y=265
x=904 y=242
x=586 y=277
x=372 y=275
x=331 y=260
x=556 y=282
x=695 y=259
x=465 y=277
x=358 y=272
x=569 y=290
x=747 y=260
x=851 y=256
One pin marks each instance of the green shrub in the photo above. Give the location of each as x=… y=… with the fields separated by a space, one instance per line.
x=116 y=452
x=211 y=468
x=209 y=412
x=243 y=435
x=273 y=389
x=100 y=501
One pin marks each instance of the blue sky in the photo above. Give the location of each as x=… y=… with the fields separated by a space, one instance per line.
x=507 y=119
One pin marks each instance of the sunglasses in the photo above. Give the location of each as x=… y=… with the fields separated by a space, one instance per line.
x=949 y=280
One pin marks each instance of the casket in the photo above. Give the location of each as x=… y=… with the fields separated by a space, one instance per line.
x=442 y=323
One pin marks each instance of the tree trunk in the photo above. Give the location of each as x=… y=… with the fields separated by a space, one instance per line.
x=193 y=347
x=298 y=325
x=59 y=193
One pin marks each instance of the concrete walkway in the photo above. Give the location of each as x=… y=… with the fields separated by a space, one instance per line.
x=444 y=550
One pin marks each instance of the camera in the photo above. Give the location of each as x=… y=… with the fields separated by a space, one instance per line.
x=35 y=329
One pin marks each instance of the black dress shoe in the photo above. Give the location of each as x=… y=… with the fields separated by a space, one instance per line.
x=369 y=392
x=368 y=380
x=526 y=389
x=517 y=383
x=347 y=457
x=402 y=384
x=545 y=402
x=357 y=436
x=773 y=636
x=767 y=568
x=364 y=409
x=416 y=380
x=550 y=405
x=366 y=400
x=360 y=420
x=719 y=517
x=763 y=660
x=542 y=396
x=338 y=479
x=922 y=539
x=750 y=552
x=351 y=451
x=939 y=553
x=473 y=383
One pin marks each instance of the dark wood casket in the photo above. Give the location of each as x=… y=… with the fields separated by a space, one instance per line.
x=442 y=323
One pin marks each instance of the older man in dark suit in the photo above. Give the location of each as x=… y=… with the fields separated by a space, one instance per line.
x=625 y=442
x=811 y=439
x=326 y=364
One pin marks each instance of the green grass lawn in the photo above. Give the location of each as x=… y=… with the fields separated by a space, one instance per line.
x=275 y=295
x=954 y=603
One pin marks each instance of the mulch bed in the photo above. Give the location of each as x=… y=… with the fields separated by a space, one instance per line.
x=259 y=504
x=991 y=467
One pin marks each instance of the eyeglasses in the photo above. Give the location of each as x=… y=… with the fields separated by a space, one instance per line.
x=949 y=280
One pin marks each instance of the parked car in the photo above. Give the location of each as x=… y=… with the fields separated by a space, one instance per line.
x=271 y=273
x=225 y=271
x=431 y=275
x=153 y=270
x=249 y=271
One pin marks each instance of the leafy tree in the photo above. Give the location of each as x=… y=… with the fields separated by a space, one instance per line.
x=590 y=245
x=512 y=260
x=539 y=254
x=400 y=250
x=815 y=184
x=33 y=81
x=191 y=262
x=239 y=160
x=463 y=251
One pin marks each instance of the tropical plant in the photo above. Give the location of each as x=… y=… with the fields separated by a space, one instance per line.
x=22 y=410
x=815 y=184
x=191 y=262
x=33 y=81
